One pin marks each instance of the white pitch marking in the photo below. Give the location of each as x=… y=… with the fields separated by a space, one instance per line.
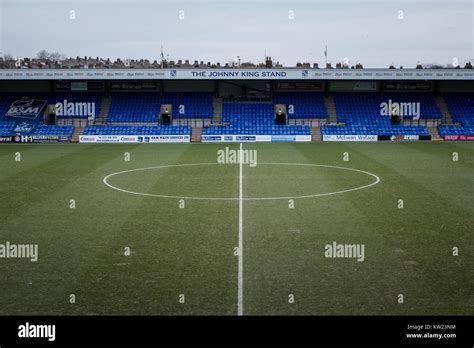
x=240 y=295
x=377 y=180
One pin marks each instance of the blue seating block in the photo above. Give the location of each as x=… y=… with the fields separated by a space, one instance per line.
x=137 y=130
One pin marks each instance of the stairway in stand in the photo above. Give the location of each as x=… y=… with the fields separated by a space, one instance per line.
x=76 y=134
x=331 y=109
x=434 y=133
x=196 y=135
x=104 y=110
x=443 y=107
x=316 y=134
x=217 y=107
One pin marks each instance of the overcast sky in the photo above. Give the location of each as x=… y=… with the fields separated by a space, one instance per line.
x=375 y=33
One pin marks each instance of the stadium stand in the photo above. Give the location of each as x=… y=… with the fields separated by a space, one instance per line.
x=381 y=128
x=268 y=130
x=357 y=113
x=190 y=105
x=19 y=124
x=365 y=106
x=6 y=128
x=65 y=131
x=146 y=107
x=461 y=107
x=7 y=99
x=134 y=108
x=4 y=104
x=252 y=119
x=90 y=99
x=361 y=113
x=248 y=114
x=137 y=130
x=302 y=105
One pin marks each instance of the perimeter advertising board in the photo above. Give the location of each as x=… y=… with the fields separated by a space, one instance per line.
x=145 y=139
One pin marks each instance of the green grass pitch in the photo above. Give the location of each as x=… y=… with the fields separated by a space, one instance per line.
x=191 y=250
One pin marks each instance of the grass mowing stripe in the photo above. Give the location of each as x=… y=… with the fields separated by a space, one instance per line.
x=241 y=241
x=283 y=253
x=31 y=188
x=31 y=158
x=159 y=234
x=428 y=178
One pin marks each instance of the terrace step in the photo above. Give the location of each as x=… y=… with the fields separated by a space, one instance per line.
x=78 y=131
x=443 y=107
x=434 y=133
x=217 y=107
x=331 y=108
x=196 y=135
x=104 y=110
x=316 y=134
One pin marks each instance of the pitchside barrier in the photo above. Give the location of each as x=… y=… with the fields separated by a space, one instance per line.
x=254 y=138
x=334 y=137
x=459 y=137
x=34 y=139
x=370 y=138
x=404 y=137
x=135 y=139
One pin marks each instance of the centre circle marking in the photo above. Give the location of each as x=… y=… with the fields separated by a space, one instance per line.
x=375 y=182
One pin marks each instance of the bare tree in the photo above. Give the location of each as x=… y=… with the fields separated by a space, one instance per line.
x=56 y=56
x=43 y=55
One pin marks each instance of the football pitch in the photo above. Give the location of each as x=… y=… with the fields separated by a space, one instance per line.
x=309 y=229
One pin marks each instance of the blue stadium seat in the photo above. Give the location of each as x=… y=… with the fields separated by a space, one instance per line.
x=361 y=113
x=461 y=108
x=252 y=119
x=6 y=128
x=65 y=131
x=137 y=130
x=90 y=98
x=145 y=107
x=302 y=105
